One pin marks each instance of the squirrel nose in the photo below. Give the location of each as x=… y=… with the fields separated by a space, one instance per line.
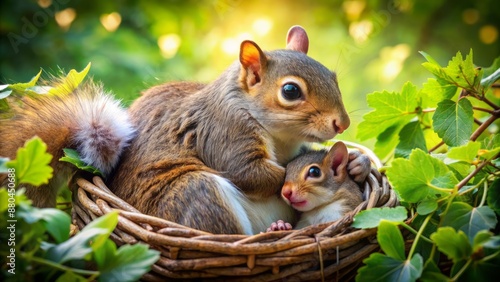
x=286 y=192
x=340 y=125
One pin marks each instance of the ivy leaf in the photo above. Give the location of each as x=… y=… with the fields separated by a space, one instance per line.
x=390 y=239
x=453 y=121
x=70 y=82
x=455 y=245
x=71 y=156
x=462 y=216
x=129 y=263
x=390 y=109
x=32 y=163
x=89 y=239
x=379 y=267
x=410 y=137
x=420 y=176
x=466 y=153
x=372 y=217
x=493 y=197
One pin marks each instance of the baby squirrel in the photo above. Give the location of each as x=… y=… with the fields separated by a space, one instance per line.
x=318 y=184
x=209 y=156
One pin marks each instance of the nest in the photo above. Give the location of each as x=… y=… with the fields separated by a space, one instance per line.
x=328 y=251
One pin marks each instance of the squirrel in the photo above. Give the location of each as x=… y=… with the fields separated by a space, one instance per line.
x=88 y=120
x=318 y=185
x=213 y=156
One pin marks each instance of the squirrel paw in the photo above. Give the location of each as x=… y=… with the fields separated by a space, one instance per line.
x=279 y=226
x=359 y=166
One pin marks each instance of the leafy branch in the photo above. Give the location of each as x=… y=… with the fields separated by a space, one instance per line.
x=453 y=196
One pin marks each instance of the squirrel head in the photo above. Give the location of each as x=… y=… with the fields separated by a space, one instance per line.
x=315 y=178
x=298 y=98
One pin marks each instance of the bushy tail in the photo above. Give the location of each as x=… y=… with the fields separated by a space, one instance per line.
x=87 y=120
x=102 y=128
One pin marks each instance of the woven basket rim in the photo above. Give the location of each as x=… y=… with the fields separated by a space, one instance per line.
x=192 y=253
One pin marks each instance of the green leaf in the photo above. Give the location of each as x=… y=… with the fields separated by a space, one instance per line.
x=387 y=141
x=72 y=156
x=432 y=273
x=427 y=206
x=71 y=276
x=379 y=267
x=485 y=238
x=435 y=91
x=32 y=163
x=5 y=94
x=372 y=217
x=466 y=153
x=390 y=109
x=455 y=245
x=489 y=78
x=390 y=239
x=410 y=137
x=462 y=216
x=21 y=87
x=463 y=72
x=70 y=82
x=493 y=197
x=89 y=239
x=129 y=263
x=420 y=176
x=453 y=121
x=56 y=222
x=480 y=270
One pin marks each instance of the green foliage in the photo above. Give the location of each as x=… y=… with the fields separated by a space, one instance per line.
x=38 y=243
x=452 y=196
x=71 y=156
x=32 y=163
x=371 y=218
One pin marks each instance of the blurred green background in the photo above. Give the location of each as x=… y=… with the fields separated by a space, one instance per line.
x=372 y=44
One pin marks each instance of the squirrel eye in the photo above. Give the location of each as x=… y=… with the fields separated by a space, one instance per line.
x=291 y=91
x=314 y=172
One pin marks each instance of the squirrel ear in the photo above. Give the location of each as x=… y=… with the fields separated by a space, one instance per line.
x=338 y=156
x=297 y=39
x=253 y=61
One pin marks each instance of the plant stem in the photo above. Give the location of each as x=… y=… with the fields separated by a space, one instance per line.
x=63 y=267
x=409 y=228
x=419 y=235
x=436 y=147
x=492 y=78
x=482 y=128
x=485 y=191
x=462 y=270
x=472 y=174
x=483 y=110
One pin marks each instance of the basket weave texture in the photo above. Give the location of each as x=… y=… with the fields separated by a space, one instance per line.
x=329 y=251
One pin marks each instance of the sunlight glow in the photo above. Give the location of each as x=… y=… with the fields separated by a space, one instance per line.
x=65 y=17
x=488 y=34
x=44 y=3
x=111 y=21
x=360 y=31
x=353 y=9
x=169 y=44
x=470 y=16
x=262 y=26
x=394 y=59
x=231 y=46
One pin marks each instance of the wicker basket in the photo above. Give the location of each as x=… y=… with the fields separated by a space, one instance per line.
x=329 y=251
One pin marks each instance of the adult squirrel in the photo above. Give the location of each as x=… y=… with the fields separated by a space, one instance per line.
x=317 y=184
x=212 y=156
